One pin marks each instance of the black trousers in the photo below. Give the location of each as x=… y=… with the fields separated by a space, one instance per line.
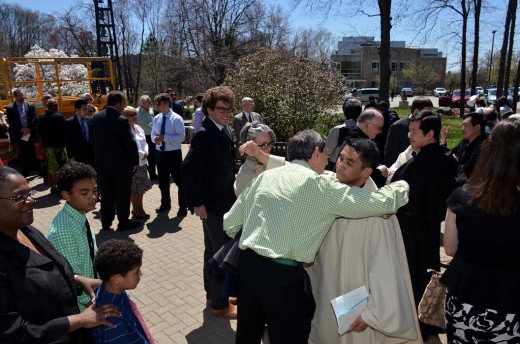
x=169 y=163
x=115 y=198
x=151 y=157
x=274 y=294
x=214 y=280
x=26 y=155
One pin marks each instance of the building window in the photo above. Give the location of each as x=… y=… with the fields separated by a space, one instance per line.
x=401 y=66
x=394 y=66
x=375 y=66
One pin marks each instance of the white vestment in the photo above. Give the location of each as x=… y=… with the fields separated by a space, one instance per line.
x=366 y=252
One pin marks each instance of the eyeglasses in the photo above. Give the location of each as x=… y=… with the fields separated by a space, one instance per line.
x=21 y=198
x=266 y=145
x=133 y=115
x=379 y=128
x=221 y=109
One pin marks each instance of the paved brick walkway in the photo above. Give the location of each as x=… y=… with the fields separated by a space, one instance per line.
x=170 y=295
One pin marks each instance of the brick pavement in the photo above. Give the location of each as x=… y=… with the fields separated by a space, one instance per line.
x=170 y=295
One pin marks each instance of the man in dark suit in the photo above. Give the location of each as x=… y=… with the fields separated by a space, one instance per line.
x=245 y=116
x=20 y=116
x=78 y=135
x=397 y=139
x=174 y=104
x=116 y=159
x=208 y=177
x=431 y=175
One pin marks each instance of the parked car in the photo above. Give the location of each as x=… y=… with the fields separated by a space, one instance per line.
x=439 y=91
x=510 y=92
x=492 y=96
x=363 y=94
x=457 y=97
x=480 y=90
x=408 y=91
x=445 y=100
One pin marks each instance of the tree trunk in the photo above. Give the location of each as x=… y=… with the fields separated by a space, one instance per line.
x=503 y=51
x=507 y=76
x=384 y=49
x=515 y=90
x=474 y=70
x=463 y=56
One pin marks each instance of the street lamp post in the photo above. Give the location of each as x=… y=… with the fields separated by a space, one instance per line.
x=491 y=57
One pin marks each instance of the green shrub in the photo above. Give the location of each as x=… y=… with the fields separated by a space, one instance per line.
x=291 y=93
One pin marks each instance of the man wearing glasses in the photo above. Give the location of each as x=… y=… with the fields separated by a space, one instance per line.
x=208 y=176
x=78 y=135
x=168 y=134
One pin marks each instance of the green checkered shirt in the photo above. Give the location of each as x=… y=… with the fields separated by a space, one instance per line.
x=68 y=234
x=287 y=211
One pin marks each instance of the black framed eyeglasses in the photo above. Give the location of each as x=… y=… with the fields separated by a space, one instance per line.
x=222 y=109
x=21 y=198
x=266 y=145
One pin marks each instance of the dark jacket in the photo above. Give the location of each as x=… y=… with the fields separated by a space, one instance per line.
x=15 y=124
x=208 y=170
x=51 y=129
x=115 y=150
x=78 y=148
x=396 y=141
x=467 y=154
x=36 y=293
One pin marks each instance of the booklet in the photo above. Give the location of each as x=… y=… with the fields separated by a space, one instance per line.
x=348 y=307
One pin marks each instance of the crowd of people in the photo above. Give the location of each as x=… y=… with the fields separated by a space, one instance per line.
x=362 y=207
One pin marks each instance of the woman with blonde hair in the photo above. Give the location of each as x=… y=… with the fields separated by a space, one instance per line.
x=140 y=181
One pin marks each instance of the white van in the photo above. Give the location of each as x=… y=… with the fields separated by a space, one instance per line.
x=364 y=93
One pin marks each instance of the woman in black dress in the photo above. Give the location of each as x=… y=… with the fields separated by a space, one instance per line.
x=482 y=233
x=37 y=286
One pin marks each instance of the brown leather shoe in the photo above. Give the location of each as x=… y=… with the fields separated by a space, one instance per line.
x=230 y=312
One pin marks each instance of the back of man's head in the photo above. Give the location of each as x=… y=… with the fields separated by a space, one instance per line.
x=383 y=107
x=421 y=103
x=352 y=109
x=302 y=145
x=489 y=114
x=116 y=97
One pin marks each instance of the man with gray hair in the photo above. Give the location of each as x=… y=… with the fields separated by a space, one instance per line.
x=145 y=115
x=245 y=116
x=284 y=215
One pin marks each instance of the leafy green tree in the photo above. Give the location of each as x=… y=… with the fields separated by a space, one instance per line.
x=292 y=93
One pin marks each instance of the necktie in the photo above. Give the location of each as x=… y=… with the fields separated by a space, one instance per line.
x=84 y=128
x=223 y=131
x=163 y=130
x=23 y=118
x=250 y=118
x=90 y=244
x=414 y=154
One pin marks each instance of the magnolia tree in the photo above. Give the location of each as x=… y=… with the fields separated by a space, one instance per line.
x=292 y=93
x=27 y=72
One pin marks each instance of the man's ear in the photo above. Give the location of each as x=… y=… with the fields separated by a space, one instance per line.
x=65 y=195
x=316 y=153
x=367 y=171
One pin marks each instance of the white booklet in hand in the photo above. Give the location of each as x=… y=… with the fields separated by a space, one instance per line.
x=349 y=306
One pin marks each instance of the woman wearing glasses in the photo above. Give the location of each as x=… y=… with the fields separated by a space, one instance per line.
x=37 y=286
x=264 y=138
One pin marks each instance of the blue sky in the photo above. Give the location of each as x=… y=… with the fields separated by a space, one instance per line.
x=341 y=26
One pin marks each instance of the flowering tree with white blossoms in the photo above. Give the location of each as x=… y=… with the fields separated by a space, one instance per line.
x=27 y=72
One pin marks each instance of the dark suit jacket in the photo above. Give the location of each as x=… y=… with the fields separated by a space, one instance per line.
x=15 y=124
x=51 y=128
x=115 y=150
x=208 y=170
x=36 y=293
x=241 y=119
x=177 y=108
x=77 y=146
x=397 y=140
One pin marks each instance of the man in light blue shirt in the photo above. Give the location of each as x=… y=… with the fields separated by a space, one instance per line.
x=168 y=133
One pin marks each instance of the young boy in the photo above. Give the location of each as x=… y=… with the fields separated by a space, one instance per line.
x=70 y=231
x=118 y=263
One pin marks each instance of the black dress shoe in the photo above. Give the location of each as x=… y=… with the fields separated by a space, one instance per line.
x=128 y=225
x=182 y=213
x=106 y=228
x=162 y=208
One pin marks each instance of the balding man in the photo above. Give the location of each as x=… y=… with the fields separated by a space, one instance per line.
x=245 y=116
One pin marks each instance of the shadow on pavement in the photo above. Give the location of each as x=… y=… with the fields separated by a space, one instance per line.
x=163 y=224
x=212 y=327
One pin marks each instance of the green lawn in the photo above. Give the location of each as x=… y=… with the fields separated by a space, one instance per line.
x=453 y=122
